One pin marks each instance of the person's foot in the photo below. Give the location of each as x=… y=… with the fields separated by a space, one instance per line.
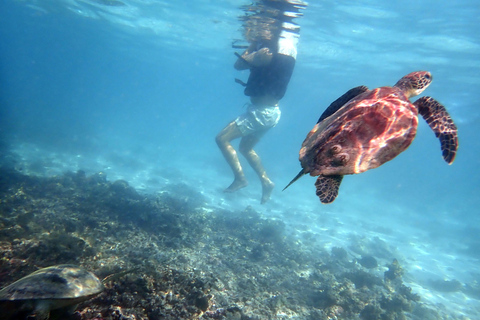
x=267 y=188
x=236 y=185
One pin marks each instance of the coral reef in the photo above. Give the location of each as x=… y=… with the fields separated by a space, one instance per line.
x=192 y=262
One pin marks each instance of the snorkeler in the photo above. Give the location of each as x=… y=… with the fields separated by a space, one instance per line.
x=271 y=60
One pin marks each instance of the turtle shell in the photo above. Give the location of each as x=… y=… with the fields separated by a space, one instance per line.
x=52 y=283
x=366 y=132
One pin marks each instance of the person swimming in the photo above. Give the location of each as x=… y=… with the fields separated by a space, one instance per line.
x=270 y=57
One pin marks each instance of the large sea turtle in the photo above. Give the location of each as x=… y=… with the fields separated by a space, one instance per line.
x=365 y=128
x=57 y=287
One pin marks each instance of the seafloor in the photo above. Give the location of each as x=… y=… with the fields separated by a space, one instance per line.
x=188 y=262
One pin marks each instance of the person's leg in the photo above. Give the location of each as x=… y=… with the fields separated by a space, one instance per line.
x=229 y=133
x=246 y=148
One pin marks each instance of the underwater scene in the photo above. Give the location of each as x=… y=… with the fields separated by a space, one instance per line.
x=144 y=146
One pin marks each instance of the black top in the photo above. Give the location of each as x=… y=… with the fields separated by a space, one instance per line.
x=272 y=79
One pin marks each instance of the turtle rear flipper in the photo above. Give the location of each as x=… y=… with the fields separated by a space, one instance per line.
x=337 y=104
x=298 y=176
x=442 y=125
x=327 y=187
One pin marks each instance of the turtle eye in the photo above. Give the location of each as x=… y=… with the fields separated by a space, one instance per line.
x=428 y=76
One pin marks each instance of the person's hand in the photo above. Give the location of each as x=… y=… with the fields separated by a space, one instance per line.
x=262 y=57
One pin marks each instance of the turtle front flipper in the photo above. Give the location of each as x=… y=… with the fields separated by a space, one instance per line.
x=42 y=310
x=442 y=125
x=337 y=104
x=327 y=187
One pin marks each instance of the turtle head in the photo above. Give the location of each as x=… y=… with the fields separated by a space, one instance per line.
x=414 y=83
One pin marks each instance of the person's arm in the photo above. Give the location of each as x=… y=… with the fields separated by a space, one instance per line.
x=253 y=58
x=242 y=63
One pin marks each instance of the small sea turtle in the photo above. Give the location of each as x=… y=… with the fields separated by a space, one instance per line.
x=365 y=128
x=57 y=287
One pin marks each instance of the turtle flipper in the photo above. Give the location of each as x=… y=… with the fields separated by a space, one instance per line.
x=298 y=176
x=337 y=104
x=327 y=187
x=42 y=310
x=442 y=125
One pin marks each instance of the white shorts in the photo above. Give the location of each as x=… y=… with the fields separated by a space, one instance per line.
x=258 y=119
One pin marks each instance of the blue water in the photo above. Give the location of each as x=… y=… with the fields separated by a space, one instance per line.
x=140 y=90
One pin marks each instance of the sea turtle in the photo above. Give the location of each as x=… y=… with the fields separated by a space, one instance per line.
x=365 y=128
x=56 y=287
